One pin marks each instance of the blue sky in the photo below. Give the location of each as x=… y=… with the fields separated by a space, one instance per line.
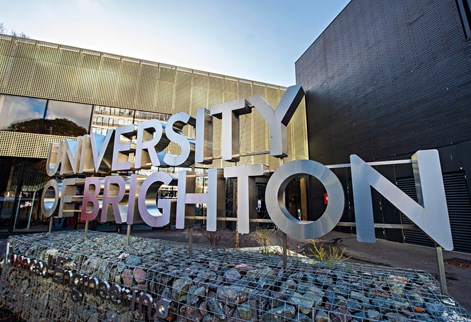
x=254 y=39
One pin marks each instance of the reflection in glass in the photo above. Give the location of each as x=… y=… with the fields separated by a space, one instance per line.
x=105 y=118
x=64 y=118
x=142 y=116
x=20 y=193
x=21 y=114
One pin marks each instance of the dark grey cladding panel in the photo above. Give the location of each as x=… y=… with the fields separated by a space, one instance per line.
x=387 y=78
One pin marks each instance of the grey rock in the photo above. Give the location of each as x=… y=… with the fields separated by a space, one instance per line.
x=139 y=275
x=322 y=316
x=215 y=307
x=245 y=311
x=179 y=288
x=354 y=306
x=120 y=267
x=415 y=299
x=395 y=317
x=191 y=313
x=399 y=305
x=373 y=314
x=304 y=303
x=232 y=274
x=303 y=318
x=232 y=294
x=280 y=313
x=133 y=260
x=359 y=296
x=381 y=302
x=435 y=309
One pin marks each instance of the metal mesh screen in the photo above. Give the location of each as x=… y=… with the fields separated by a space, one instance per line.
x=214 y=284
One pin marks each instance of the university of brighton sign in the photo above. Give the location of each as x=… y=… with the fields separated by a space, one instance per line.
x=125 y=197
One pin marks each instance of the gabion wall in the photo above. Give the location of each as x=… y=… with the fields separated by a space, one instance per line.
x=103 y=279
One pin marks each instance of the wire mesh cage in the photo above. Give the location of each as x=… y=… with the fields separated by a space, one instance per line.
x=64 y=277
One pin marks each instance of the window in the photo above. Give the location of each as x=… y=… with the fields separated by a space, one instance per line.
x=64 y=118
x=142 y=116
x=21 y=114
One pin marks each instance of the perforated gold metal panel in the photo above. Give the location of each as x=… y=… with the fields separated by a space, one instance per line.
x=26 y=145
x=52 y=71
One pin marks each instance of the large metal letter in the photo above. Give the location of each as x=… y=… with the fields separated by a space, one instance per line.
x=430 y=214
x=216 y=198
x=49 y=201
x=148 y=209
x=173 y=130
x=54 y=157
x=70 y=156
x=122 y=147
x=278 y=119
x=204 y=137
x=246 y=193
x=150 y=139
x=113 y=185
x=66 y=206
x=97 y=153
x=282 y=218
x=230 y=112
x=90 y=195
x=187 y=198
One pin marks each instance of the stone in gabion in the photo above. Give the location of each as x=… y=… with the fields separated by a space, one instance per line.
x=217 y=284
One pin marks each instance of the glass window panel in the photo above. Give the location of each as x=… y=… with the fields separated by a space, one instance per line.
x=142 y=116
x=64 y=118
x=111 y=117
x=21 y=114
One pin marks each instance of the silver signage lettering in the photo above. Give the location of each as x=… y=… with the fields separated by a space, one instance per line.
x=430 y=214
x=53 y=158
x=122 y=146
x=282 y=218
x=230 y=112
x=102 y=151
x=187 y=198
x=112 y=195
x=173 y=130
x=92 y=189
x=70 y=156
x=216 y=198
x=204 y=137
x=279 y=118
x=50 y=199
x=148 y=209
x=150 y=135
x=246 y=193
x=67 y=191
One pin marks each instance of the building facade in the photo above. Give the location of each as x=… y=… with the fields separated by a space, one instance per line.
x=388 y=78
x=49 y=92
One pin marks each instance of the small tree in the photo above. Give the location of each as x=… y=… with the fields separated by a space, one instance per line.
x=13 y=33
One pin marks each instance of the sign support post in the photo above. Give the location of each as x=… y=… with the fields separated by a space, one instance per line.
x=128 y=234
x=441 y=269
x=86 y=229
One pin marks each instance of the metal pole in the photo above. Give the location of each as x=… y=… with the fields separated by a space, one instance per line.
x=285 y=250
x=190 y=242
x=50 y=224
x=128 y=235
x=237 y=236
x=441 y=270
x=86 y=229
x=31 y=211
x=17 y=212
x=7 y=255
x=285 y=237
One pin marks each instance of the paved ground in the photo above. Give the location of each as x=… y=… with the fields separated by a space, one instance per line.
x=387 y=253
